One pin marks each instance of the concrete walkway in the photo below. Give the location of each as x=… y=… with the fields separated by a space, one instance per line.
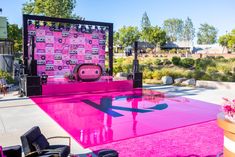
x=208 y=95
x=17 y=115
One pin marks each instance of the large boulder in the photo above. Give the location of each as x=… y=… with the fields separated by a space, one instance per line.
x=121 y=74
x=179 y=80
x=167 y=80
x=189 y=82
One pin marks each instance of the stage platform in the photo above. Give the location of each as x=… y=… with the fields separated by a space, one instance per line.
x=96 y=117
x=61 y=86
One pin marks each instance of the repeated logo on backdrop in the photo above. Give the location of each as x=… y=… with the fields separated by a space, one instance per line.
x=58 y=51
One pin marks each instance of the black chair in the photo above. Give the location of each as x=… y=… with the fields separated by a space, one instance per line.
x=106 y=153
x=35 y=144
x=12 y=151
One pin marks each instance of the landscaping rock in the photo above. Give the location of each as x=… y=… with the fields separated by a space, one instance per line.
x=167 y=80
x=189 y=82
x=179 y=80
x=121 y=74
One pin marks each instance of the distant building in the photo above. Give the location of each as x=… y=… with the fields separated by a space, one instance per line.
x=204 y=49
x=145 y=45
x=3 y=27
x=6 y=47
x=210 y=49
x=6 y=55
x=182 y=45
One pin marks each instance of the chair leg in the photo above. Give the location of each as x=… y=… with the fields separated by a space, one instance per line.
x=4 y=91
x=219 y=154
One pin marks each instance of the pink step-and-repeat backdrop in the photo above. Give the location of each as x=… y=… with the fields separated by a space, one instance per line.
x=58 y=51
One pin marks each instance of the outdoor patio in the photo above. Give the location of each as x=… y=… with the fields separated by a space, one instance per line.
x=18 y=115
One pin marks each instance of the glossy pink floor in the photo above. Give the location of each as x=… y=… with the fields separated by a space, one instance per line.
x=61 y=86
x=99 y=118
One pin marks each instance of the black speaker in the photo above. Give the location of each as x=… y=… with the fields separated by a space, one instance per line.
x=31 y=85
x=137 y=80
x=33 y=68
x=33 y=90
x=33 y=80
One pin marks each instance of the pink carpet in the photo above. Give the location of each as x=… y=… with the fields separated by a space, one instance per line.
x=202 y=140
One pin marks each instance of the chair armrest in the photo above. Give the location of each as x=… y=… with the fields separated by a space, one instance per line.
x=44 y=150
x=54 y=137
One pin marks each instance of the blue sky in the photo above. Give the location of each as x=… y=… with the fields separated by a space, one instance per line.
x=219 y=13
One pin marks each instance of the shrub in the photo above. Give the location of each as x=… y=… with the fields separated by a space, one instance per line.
x=127 y=65
x=147 y=74
x=224 y=78
x=146 y=64
x=206 y=77
x=117 y=68
x=152 y=81
x=175 y=73
x=233 y=77
x=202 y=64
x=183 y=51
x=142 y=67
x=210 y=57
x=157 y=74
x=166 y=62
x=224 y=68
x=149 y=50
x=176 y=60
x=6 y=76
x=172 y=51
x=232 y=59
x=162 y=51
x=219 y=57
x=157 y=61
x=197 y=74
x=127 y=68
x=187 y=62
x=119 y=60
x=211 y=70
x=149 y=63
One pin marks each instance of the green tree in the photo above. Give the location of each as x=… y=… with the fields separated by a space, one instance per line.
x=145 y=22
x=15 y=33
x=116 y=42
x=156 y=36
x=53 y=8
x=174 y=28
x=207 y=34
x=223 y=40
x=188 y=30
x=116 y=38
x=128 y=35
x=228 y=40
x=145 y=25
x=231 y=42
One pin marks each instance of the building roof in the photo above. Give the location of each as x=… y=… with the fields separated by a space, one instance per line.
x=178 y=44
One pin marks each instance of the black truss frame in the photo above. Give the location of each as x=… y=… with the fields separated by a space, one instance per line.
x=27 y=18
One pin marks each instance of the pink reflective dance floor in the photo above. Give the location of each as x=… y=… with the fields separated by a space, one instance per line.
x=99 y=118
